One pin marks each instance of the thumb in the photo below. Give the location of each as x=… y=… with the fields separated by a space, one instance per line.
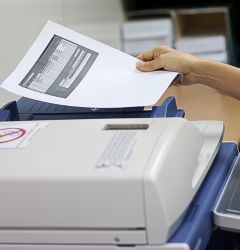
x=178 y=80
x=150 y=65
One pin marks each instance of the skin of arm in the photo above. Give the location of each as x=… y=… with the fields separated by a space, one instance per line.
x=220 y=76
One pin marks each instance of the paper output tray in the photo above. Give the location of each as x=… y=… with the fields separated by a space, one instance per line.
x=227 y=210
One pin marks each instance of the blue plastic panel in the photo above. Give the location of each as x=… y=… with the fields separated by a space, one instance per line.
x=27 y=109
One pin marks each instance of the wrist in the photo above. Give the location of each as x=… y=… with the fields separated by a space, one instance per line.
x=207 y=73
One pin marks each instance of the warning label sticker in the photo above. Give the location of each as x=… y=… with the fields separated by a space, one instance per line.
x=19 y=135
x=119 y=149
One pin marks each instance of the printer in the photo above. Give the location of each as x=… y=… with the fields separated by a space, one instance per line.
x=104 y=184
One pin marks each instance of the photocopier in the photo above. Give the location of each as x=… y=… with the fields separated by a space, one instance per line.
x=135 y=179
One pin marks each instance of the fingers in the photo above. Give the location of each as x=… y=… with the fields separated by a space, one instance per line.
x=154 y=53
x=150 y=65
x=147 y=56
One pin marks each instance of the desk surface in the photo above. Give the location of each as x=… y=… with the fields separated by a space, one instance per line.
x=203 y=103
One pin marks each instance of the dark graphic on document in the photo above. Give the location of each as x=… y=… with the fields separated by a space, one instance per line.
x=60 y=68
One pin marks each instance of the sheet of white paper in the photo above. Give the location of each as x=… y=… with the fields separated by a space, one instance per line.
x=67 y=68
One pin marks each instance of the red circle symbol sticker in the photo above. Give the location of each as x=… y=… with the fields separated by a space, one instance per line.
x=11 y=134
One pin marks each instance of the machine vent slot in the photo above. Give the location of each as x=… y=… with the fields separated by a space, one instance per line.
x=126 y=127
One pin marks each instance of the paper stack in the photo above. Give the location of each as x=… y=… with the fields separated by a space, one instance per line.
x=142 y=35
x=211 y=47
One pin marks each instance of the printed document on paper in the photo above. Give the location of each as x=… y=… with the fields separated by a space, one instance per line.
x=67 y=68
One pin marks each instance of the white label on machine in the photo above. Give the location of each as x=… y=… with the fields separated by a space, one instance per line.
x=19 y=135
x=119 y=149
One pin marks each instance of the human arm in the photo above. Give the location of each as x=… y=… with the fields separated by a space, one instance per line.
x=222 y=77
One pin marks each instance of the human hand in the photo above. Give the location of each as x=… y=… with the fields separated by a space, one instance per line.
x=172 y=60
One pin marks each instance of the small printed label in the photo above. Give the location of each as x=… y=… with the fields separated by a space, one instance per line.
x=119 y=149
x=19 y=135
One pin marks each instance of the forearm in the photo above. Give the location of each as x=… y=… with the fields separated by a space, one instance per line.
x=222 y=77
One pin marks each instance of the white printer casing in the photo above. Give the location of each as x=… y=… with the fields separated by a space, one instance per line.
x=104 y=182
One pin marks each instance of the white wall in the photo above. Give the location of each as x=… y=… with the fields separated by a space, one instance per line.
x=22 y=20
